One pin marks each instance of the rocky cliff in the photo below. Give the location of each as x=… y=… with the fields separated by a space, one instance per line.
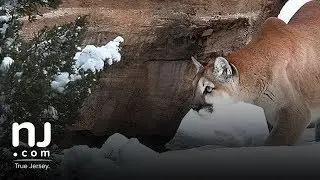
x=148 y=93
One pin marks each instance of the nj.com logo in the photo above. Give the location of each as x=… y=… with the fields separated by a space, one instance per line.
x=31 y=140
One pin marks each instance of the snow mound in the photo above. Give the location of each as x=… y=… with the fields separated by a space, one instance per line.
x=112 y=146
x=84 y=162
x=133 y=152
x=126 y=158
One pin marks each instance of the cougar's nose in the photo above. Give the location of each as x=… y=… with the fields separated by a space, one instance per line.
x=196 y=107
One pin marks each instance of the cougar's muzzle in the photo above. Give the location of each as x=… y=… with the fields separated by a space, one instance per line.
x=196 y=107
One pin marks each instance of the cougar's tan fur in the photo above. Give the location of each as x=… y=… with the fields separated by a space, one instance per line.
x=279 y=70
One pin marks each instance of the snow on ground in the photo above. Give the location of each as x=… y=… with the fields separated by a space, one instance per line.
x=84 y=162
x=290 y=8
x=208 y=162
x=232 y=125
x=127 y=158
x=235 y=126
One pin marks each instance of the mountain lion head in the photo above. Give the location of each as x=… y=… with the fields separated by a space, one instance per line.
x=213 y=84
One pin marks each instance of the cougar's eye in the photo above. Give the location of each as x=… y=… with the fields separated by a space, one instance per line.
x=208 y=89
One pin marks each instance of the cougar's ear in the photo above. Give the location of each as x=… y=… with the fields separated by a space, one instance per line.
x=222 y=68
x=198 y=65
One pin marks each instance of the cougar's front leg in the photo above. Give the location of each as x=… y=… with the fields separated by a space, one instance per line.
x=292 y=120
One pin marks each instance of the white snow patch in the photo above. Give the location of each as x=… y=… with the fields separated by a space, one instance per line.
x=290 y=8
x=74 y=77
x=18 y=74
x=119 y=156
x=92 y=58
x=121 y=149
x=117 y=150
x=60 y=81
x=6 y=63
x=113 y=145
x=133 y=152
x=4 y=18
x=119 y=39
x=4 y=28
x=234 y=125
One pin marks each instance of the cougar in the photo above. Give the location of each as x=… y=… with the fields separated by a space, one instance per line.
x=279 y=71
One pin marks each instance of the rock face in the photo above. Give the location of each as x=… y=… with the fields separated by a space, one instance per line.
x=148 y=93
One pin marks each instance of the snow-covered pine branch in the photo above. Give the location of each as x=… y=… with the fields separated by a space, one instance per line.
x=91 y=58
